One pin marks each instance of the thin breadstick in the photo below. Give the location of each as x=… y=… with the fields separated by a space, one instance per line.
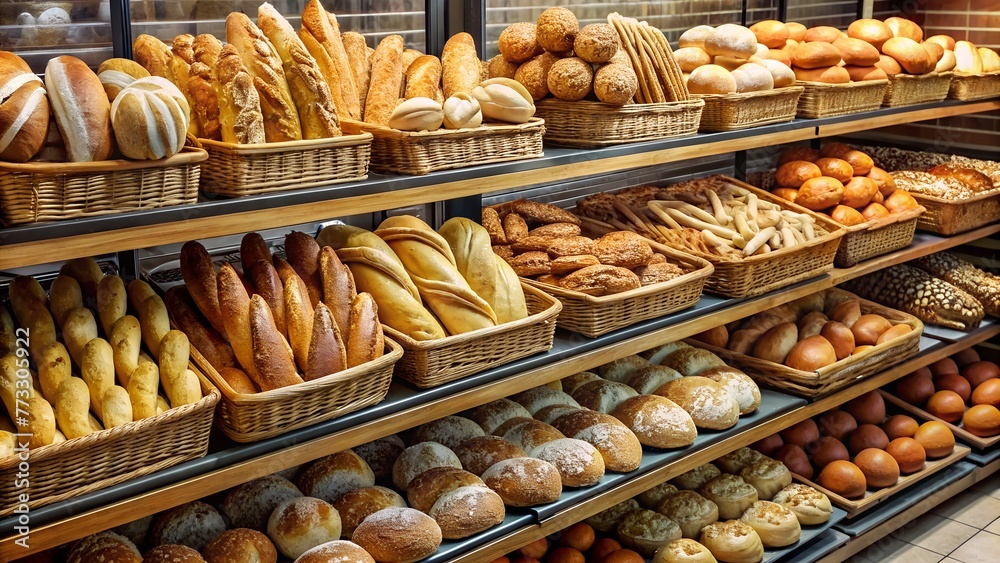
x=742 y=226
x=720 y=210
x=758 y=241
x=659 y=64
x=688 y=209
x=621 y=226
x=642 y=94
x=666 y=218
x=696 y=223
x=672 y=64
x=624 y=210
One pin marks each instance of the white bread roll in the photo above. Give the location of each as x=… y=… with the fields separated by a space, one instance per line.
x=711 y=79
x=990 y=58
x=947 y=62
x=466 y=511
x=81 y=109
x=462 y=111
x=781 y=74
x=752 y=77
x=300 y=524
x=524 y=481
x=398 y=535
x=732 y=541
x=24 y=110
x=417 y=114
x=731 y=40
x=503 y=99
x=967 y=58
x=690 y=58
x=695 y=37
x=731 y=494
x=579 y=463
x=150 y=118
x=776 y=525
x=332 y=476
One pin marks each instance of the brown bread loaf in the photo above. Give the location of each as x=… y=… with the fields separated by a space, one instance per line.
x=327 y=352
x=338 y=288
x=386 y=77
x=274 y=364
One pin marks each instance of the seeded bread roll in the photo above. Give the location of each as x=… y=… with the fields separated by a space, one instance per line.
x=398 y=535
x=607 y=520
x=570 y=79
x=708 y=403
x=619 y=446
x=733 y=541
x=419 y=458
x=776 y=525
x=381 y=454
x=354 y=506
x=737 y=460
x=615 y=84
x=657 y=422
x=768 y=476
x=480 y=453
x=653 y=497
x=810 y=506
x=518 y=42
x=646 y=531
x=524 y=481
x=533 y=74
x=557 y=29
x=193 y=524
x=684 y=550
x=731 y=494
x=332 y=476
x=104 y=546
x=693 y=480
x=171 y=554
x=596 y=43
x=690 y=510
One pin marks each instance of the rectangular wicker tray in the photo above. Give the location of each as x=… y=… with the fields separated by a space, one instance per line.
x=253 y=417
x=961 y=433
x=109 y=457
x=729 y=112
x=766 y=272
x=593 y=316
x=33 y=192
x=434 y=362
x=594 y=124
x=969 y=87
x=909 y=89
x=423 y=152
x=950 y=217
x=839 y=374
x=235 y=170
x=828 y=100
x=872 y=498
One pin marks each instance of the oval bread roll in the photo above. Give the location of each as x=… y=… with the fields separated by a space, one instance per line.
x=399 y=535
x=827 y=75
x=731 y=40
x=524 y=481
x=690 y=510
x=731 y=494
x=354 y=506
x=657 y=422
x=332 y=476
x=708 y=403
x=419 y=458
x=711 y=79
x=619 y=446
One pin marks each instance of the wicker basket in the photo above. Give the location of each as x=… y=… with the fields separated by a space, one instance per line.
x=434 y=362
x=594 y=124
x=950 y=217
x=828 y=100
x=729 y=112
x=968 y=87
x=593 y=316
x=837 y=375
x=235 y=170
x=909 y=89
x=427 y=151
x=83 y=465
x=877 y=237
x=253 y=417
x=48 y=191
x=760 y=274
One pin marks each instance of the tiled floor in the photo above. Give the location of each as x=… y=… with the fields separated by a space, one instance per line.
x=965 y=529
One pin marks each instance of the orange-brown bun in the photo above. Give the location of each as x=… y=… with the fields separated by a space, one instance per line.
x=823 y=33
x=795 y=173
x=811 y=354
x=871 y=31
x=936 y=438
x=909 y=54
x=795 y=459
x=862 y=73
x=836 y=168
x=868 y=408
x=908 y=453
x=827 y=75
x=874 y=211
x=771 y=33
x=780 y=56
x=934 y=50
x=946 y=405
x=801 y=433
x=982 y=420
x=856 y=51
x=786 y=193
x=837 y=424
x=880 y=468
x=861 y=162
x=843 y=478
x=956 y=383
x=894 y=332
x=902 y=27
x=867 y=436
x=847 y=216
x=858 y=192
x=899 y=426
x=835 y=149
x=868 y=328
x=731 y=40
x=900 y=201
x=796 y=31
x=947 y=42
x=820 y=193
x=889 y=65
x=816 y=54
x=886 y=185
x=979 y=372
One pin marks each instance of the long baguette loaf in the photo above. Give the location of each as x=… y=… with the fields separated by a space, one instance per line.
x=253 y=247
x=154 y=55
x=274 y=364
x=8 y=335
x=268 y=285
x=25 y=292
x=431 y=265
x=203 y=86
x=365 y=341
x=138 y=291
x=423 y=79
x=199 y=275
x=203 y=337
x=73 y=407
x=386 y=77
x=299 y=315
x=338 y=288
x=302 y=252
x=461 y=69
x=320 y=33
x=235 y=305
x=281 y=118
x=154 y=322
x=97 y=367
x=310 y=92
x=489 y=275
x=327 y=352
x=378 y=271
x=360 y=64
x=181 y=57
x=240 y=116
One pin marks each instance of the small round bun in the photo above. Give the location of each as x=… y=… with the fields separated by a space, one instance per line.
x=836 y=168
x=499 y=67
x=695 y=478
x=902 y=27
x=398 y=535
x=690 y=58
x=871 y=31
x=826 y=75
x=733 y=541
x=856 y=52
x=449 y=431
x=823 y=34
x=419 y=458
x=479 y=454
x=771 y=33
x=193 y=524
x=711 y=79
x=731 y=494
x=646 y=531
x=359 y=504
x=753 y=77
x=936 y=438
x=739 y=459
x=518 y=42
x=794 y=173
x=781 y=73
x=596 y=43
x=690 y=510
x=815 y=55
x=615 y=84
x=557 y=29
x=843 y=478
x=880 y=468
x=695 y=37
x=908 y=453
x=534 y=75
x=334 y=475
x=684 y=550
x=340 y=551
x=652 y=498
x=524 y=481
x=982 y=420
x=909 y=54
x=776 y=525
x=240 y=544
x=731 y=40
x=767 y=476
x=300 y=524
x=170 y=554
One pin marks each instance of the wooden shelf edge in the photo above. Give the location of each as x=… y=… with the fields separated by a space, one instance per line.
x=906 y=117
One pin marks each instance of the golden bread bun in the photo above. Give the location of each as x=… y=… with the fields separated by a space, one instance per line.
x=902 y=27
x=570 y=79
x=858 y=192
x=827 y=75
x=820 y=193
x=908 y=453
x=533 y=74
x=733 y=541
x=519 y=42
x=776 y=525
x=711 y=79
x=781 y=72
x=771 y=33
x=690 y=58
x=946 y=42
x=909 y=54
x=843 y=478
x=731 y=40
x=752 y=77
x=556 y=30
x=816 y=54
x=596 y=43
x=836 y=168
x=862 y=73
x=810 y=506
x=847 y=216
x=796 y=31
x=840 y=337
x=615 y=84
x=870 y=31
x=695 y=37
x=856 y=51
x=811 y=354
x=823 y=34
x=880 y=468
x=982 y=420
x=730 y=493
x=947 y=62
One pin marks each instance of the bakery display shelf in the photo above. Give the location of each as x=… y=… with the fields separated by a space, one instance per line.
x=978 y=443
x=952 y=335
x=814 y=542
x=854 y=507
x=931 y=351
x=450 y=549
x=40 y=243
x=772 y=405
x=984 y=457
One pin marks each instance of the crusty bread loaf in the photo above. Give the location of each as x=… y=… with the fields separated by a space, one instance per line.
x=240 y=544
x=423 y=79
x=460 y=65
x=338 y=288
x=154 y=55
x=299 y=524
x=449 y=431
x=193 y=524
x=657 y=422
x=116 y=74
x=267 y=284
x=309 y=89
x=274 y=363
x=250 y=504
x=360 y=64
x=398 y=534
x=299 y=315
x=478 y=454
x=708 y=403
x=320 y=33
x=24 y=114
x=619 y=446
x=104 y=546
x=381 y=454
x=339 y=550
x=327 y=351
x=302 y=252
x=81 y=109
x=281 y=118
x=235 y=306
x=427 y=487
x=203 y=337
x=199 y=275
x=365 y=341
x=386 y=77
x=524 y=481
x=240 y=117
x=356 y=505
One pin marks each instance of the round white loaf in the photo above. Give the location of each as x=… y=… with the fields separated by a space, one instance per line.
x=150 y=119
x=339 y=551
x=419 y=458
x=300 y=524
x=336 y=474
x=449 y=431
x=579 y=463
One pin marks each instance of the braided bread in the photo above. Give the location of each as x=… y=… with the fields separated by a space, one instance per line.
x=982 y=285
x=932 y=300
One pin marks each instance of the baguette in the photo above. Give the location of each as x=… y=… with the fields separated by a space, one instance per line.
x=299 y=315
x=181 y=56
x=309 y=89
x=207 y=49
x=274 y=364
x=138 y=291
x=431 y=265
x=54 y=366
x=327 y=352
x=8 y=334
x=253 y=247
x=268 y=285
x=73 y=408
x=302 y=252
x=461 y=69
x=423 y=79
x=78 y=330
x=203 y=86
x=154 y=322
x=377 y=270
x=281 y=119
x=365 y=341
x=204 y=338
x=24 y=292
x=284 y=269
x=338 y=288
x=97 y=367
x=239 y=381
x=64 y=296
x=175 y=353
x=360 y=63
x=116 y=406
x=142 y=390
x=154 y=55
x=198 y=272
x=112 y=302
x=240 y=117
x=235 y=305
x=86 y=272
x=320 y=33
x=126 y=344
x=386 y=77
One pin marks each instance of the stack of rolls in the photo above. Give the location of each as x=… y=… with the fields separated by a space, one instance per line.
x=116 y=361
x=430 y=284
x=904 y=49
x=731 y=59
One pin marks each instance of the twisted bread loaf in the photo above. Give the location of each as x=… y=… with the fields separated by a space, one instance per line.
x=914 y=291
x=982 y=285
